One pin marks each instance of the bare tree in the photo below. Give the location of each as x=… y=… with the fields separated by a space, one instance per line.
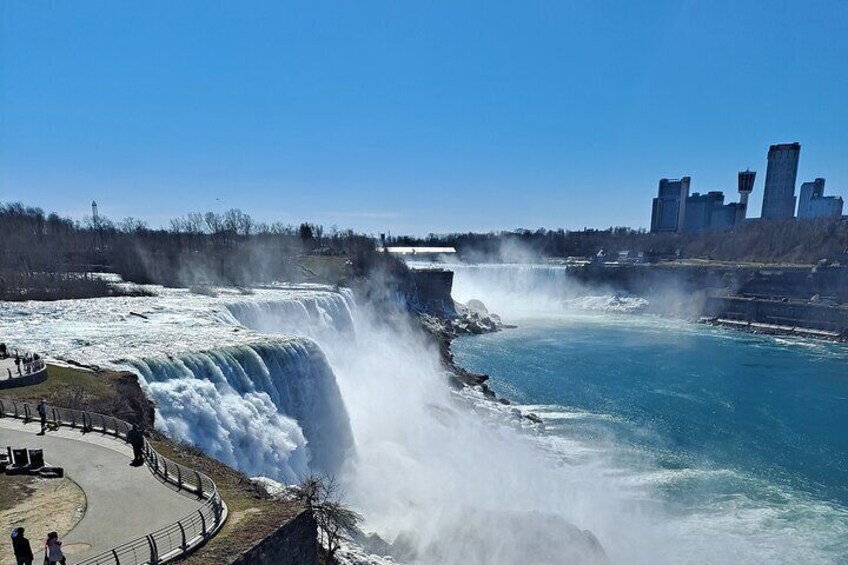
x=322 y=495
x=214 y=222
x=131 y=225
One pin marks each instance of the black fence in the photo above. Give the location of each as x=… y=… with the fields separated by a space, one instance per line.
x=165 y=544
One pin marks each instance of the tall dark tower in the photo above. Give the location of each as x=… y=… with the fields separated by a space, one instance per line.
x=779 y=188
x=94 y=212
x=746 y=187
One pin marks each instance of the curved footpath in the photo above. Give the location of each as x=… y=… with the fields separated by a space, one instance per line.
x=123 y=502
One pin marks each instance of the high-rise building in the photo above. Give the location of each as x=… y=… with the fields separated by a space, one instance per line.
x=746 y=187
x=668 y=212
x=779 y=192
x=708 y=211
x=814 y=204
x=700 y=208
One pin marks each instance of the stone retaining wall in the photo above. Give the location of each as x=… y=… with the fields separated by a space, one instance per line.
x=295 y=543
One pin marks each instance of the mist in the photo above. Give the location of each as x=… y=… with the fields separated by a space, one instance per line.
x=454 y=479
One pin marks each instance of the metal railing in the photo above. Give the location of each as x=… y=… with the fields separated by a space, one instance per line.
x=166 y=543
x=29 y=368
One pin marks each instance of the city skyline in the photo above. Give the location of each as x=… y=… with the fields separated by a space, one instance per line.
x=383 y=118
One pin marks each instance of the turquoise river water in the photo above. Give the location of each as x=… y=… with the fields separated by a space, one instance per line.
x=742 y=437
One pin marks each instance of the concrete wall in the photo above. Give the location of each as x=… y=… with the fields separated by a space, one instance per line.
x=295 y=543
x=816 y=316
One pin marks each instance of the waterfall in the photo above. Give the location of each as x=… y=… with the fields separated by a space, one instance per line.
x=313 y=315
x=270 y=409
x=526 y=289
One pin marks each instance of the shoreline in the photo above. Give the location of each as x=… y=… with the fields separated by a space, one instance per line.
x=461 y=377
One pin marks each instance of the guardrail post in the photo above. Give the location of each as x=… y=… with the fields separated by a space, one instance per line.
x=26 y=413
x=115 y=555
x=202 y=522
x=182 y=532
x=179 y=478
x=154 y=553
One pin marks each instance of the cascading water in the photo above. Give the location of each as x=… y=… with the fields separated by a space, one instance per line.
x=448 y=484
x=310 y=316
x=428 y=467
x=519 y=290
x=267 y=409
x=268 y=406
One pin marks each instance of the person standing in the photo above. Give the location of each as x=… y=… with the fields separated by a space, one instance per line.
x=21 y=547
x=53 y=548
x=42 y=413
x=136 y=440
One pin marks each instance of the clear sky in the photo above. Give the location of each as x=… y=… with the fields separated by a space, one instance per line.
x=413 y=117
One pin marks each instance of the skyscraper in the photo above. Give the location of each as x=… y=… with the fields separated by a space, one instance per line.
x=669 y=207
x=779 y=192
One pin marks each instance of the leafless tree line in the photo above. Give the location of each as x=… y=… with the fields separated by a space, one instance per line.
x=778 y=241
x=38 y=250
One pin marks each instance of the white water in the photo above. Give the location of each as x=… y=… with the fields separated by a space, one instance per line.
x=515 y=291
x=454 y=478
x=420 y=465
x=265 y=405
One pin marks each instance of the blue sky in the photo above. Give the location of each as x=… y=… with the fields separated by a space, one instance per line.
x=413 y=117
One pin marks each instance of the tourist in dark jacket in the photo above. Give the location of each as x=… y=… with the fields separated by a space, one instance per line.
x=136 y=440
x=42 y=413
x=23 y=551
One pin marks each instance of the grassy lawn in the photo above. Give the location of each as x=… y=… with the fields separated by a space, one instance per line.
x=62 y=381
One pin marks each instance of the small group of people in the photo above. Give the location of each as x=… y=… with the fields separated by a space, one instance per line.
x=23 y=550
x=29 y=363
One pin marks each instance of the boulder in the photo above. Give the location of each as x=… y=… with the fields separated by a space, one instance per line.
x=477 y=307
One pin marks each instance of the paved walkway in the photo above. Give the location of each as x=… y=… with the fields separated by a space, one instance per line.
x=7 y=365
x=123 y=502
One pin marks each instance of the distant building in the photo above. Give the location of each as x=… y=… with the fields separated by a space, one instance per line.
x=727 y=216
x=746 y=187
x=421 y=253
x=814 y=204
x=699 y=210
x=779 y=192
x=708 y=211
x=668 y=212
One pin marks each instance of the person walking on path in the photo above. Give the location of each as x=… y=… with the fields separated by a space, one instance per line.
x=53 y=549
x=42 y=413
x=136 y=440
x=21 y=547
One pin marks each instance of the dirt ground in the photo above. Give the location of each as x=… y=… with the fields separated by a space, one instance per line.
x=39 y=506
